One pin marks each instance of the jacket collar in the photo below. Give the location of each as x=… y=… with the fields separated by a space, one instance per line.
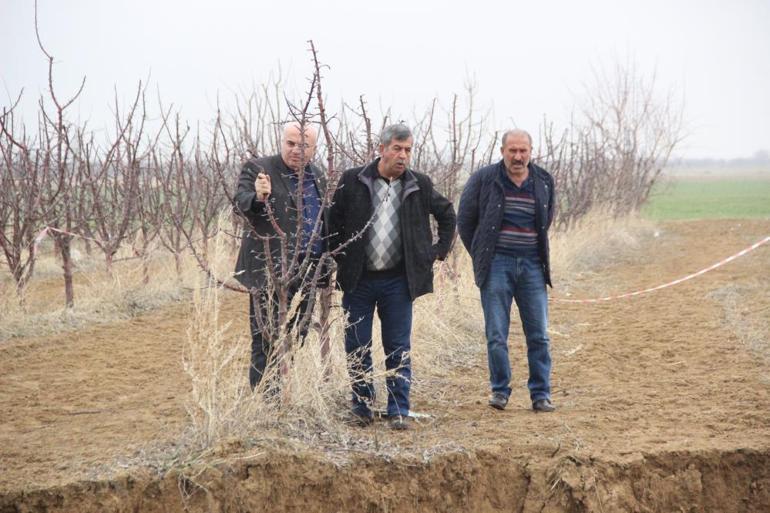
x=369 y=173
x=284 y=172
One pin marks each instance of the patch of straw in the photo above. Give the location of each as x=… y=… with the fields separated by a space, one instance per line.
x=597 y=241
x=100 y=297
x=746 y=314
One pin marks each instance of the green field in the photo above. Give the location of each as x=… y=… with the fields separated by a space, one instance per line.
x=709 y=198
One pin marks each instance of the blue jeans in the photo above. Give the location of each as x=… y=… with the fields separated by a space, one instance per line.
x=521 y=279
x=394 y=307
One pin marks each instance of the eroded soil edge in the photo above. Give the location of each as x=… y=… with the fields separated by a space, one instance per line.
x=737 y=481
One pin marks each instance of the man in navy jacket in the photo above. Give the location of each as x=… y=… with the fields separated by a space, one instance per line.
x=503 y=219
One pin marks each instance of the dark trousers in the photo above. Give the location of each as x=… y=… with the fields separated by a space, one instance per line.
x=262 y=346
x=390 y=296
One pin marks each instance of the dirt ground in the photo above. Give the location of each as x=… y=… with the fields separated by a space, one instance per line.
x=663 y=405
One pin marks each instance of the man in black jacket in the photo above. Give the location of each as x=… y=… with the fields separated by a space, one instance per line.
x=275 y=185
x=382 y=211
x=503 y=219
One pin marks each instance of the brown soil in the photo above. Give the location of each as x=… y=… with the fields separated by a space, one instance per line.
x=663 y=405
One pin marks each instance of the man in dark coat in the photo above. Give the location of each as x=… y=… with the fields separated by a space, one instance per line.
x=503 y=219
x=382 y=212
x=275 y=186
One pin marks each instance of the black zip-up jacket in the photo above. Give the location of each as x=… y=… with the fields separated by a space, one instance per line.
x=352 y=210
x=480 y=216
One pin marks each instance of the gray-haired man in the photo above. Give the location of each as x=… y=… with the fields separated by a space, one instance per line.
x=389 y=266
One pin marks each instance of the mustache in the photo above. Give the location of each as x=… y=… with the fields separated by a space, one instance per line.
x=517 y=162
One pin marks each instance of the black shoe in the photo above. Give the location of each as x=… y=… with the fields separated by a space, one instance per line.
x=543 y=405
x=398 y=423
x=361 y=418
x=498 y=401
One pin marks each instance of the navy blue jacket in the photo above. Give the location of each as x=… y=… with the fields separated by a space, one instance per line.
x=480 y=216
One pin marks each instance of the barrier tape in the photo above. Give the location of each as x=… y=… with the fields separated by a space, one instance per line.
x=727 y=260
x=671 y=283
x=40 y=236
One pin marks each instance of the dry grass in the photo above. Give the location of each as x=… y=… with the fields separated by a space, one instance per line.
x=580 y=256
x=100 y=297
x=448 y=333
x=222 y=408
x=747 y=314
x=312 y=405
x=597 y=241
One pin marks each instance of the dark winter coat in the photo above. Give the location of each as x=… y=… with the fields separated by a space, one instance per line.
x=352 y=209
x=250 y=267
x=480 y=216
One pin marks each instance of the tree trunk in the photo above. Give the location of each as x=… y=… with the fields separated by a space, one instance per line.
x=178 y=264
x=21 y=285
x=108 y=260
x=205 y=247
x=145 y=267
x=66 y=258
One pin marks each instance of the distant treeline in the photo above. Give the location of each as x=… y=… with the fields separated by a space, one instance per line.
x=759 y=159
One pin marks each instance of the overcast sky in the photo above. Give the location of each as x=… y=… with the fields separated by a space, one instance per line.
x=529 y=59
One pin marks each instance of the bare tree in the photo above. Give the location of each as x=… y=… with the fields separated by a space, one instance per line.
x=355 y=141
x=640 y=129
x=21 y=175
x=111 y=180
x=173 y=175
x=60 y=196
x=255 y=127
x=444 y=156
x=445 y=151
x=613 y=151
x=207 y=201
x=148 y=218
x=578 y=163
x=287 y=274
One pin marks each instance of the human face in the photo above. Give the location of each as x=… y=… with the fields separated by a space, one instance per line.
x=395 y=157
x=516 y=151
x=294 y=151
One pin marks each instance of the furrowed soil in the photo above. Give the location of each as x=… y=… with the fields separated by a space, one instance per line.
x=663 y=406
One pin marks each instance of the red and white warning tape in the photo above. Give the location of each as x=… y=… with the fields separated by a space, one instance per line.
x=671 y=283
x=40 y=236
x=727 y=260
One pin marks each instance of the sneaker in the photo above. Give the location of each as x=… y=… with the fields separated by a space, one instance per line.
x=498 y=400
x=398 y=423
x=543 y=405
